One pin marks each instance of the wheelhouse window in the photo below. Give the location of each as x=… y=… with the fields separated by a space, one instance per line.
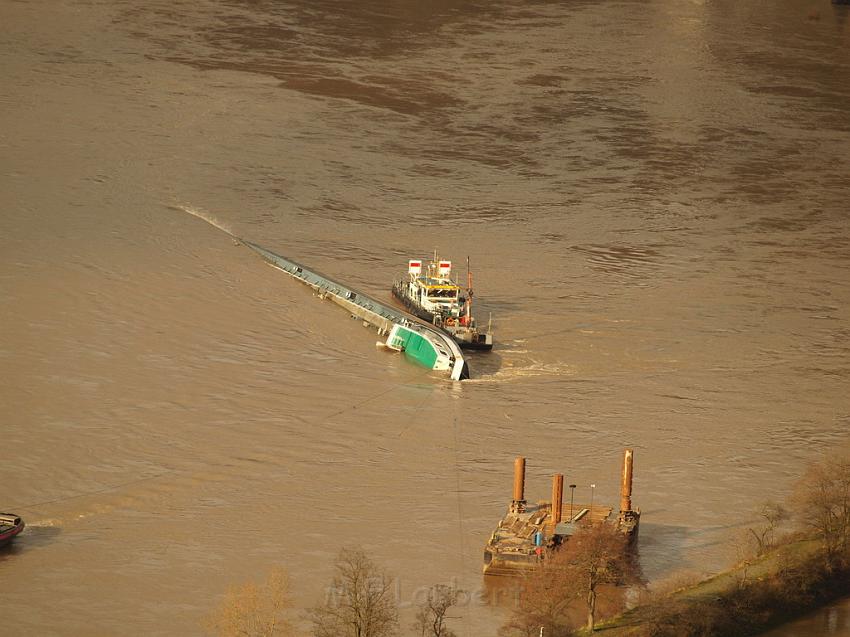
x=442 y=294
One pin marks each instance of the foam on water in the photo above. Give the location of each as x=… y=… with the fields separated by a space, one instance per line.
x=205 y=216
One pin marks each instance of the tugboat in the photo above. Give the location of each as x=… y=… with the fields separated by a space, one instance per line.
x=10 y=526
x=430 y=293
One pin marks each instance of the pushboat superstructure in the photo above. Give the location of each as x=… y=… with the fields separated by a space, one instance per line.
x=430 y=293
x=421 y=343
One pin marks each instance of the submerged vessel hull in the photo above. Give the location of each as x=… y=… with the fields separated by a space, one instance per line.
x=423 y=344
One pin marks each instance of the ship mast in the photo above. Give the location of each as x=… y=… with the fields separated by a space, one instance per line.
x=468 y=292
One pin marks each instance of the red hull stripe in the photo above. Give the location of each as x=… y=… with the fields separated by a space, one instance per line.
x=10 y=533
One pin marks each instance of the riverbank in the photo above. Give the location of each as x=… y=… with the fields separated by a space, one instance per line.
x=756 y=595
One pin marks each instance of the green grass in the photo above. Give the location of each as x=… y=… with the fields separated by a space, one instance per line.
x=786 y=582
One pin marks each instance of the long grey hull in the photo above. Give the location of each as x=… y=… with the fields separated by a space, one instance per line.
x=381 y=317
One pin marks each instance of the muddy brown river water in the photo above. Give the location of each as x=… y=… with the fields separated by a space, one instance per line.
x=654 y=199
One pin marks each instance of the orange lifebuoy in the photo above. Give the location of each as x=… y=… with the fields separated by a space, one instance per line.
x=450 y=321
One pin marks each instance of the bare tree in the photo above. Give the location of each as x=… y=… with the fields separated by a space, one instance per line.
x=252 y=610
x=772 y=514
x=597 y=555
x=359 y=602
x=546 y=596
x=823 y=502
x=431 y=617
x=551 y=596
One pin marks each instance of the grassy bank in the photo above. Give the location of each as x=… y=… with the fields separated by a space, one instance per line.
x=783 y=584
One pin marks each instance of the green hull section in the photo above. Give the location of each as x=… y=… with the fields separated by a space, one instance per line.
x=414 y=347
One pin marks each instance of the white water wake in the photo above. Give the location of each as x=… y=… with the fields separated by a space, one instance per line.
x=206 y=216
x=509 y=372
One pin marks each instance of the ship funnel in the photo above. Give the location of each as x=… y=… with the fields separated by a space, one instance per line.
x=557 y=498
x=626 y=488
x=519 y=484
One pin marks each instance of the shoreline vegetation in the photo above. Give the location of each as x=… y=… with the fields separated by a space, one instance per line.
x=792 y=561
x=780 y=576
x=786 y=582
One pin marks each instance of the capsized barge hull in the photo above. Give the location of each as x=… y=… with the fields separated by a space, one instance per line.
x=423 y=344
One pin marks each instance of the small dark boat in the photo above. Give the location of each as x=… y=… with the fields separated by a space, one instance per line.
x=10 y=526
